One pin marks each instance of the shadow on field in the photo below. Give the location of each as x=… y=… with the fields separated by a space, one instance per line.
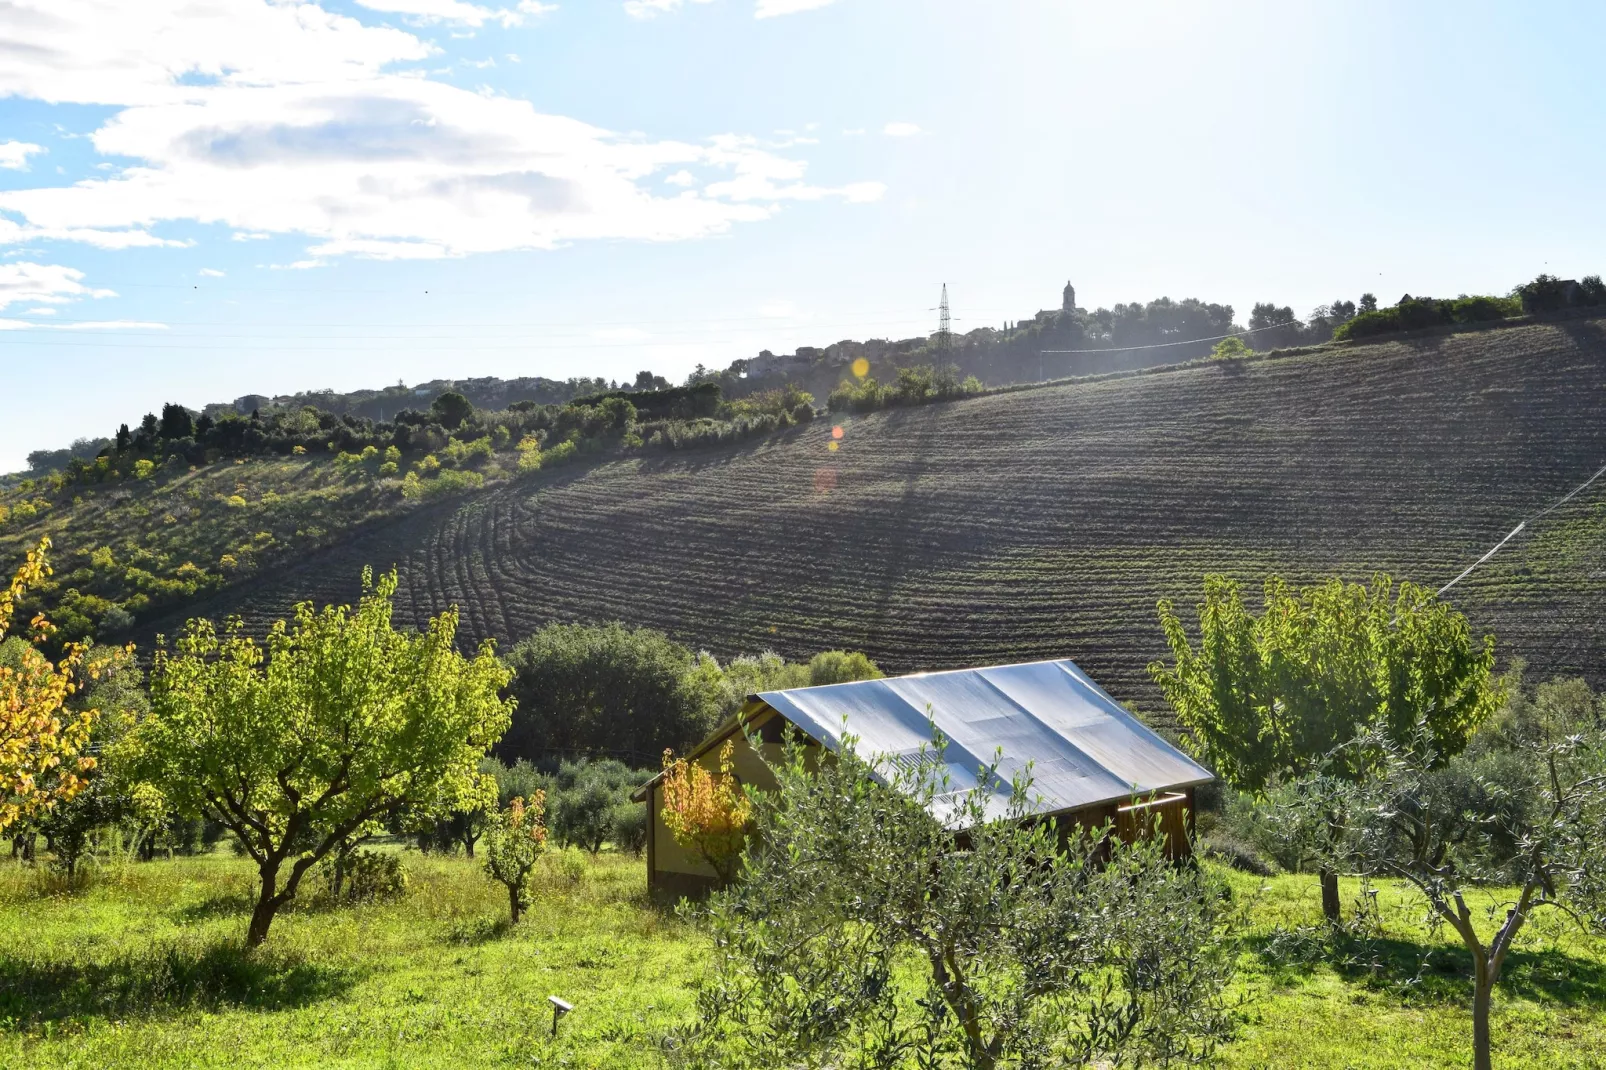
x=1410 y=970
x=480 y=931
x=221 y=905
x=161 y=981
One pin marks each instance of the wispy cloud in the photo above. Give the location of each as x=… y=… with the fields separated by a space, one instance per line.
x=51 y=284
x=768 y=9
x=82 y=325
x=212 y=273
x=900 y=130
x=648 y=9
x=14 y=155
x=460 y=12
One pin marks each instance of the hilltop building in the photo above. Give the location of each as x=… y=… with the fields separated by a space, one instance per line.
x=1091 y=761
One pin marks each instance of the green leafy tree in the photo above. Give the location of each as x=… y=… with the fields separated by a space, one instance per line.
x=1267 y=698
x=1230 y=349
x=866 y=932
x=304 y=744
x=608 y=689
x=451 y=409
x=176 y=422
x=1542 y=830
x=108 y=798
x=840 y=667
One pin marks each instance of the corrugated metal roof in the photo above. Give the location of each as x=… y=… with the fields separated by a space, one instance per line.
x=1082 y=747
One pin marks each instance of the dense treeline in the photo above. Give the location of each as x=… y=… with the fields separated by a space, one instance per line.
x=329 y=471
x=452 y=430
x=612 y=691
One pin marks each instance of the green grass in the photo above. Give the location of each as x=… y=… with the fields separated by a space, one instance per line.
x=144 y=968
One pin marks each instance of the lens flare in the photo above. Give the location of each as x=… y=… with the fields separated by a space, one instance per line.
x=836 y=432
x=861 y=367
x=833 y=446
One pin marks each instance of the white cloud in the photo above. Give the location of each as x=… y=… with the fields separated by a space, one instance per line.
x=681 y=178
x=768 y=9
x=40 y=312
x=456 y=11
x=51 y=284
x=14 y=155
x=646 y=9
x=82 y=325
x=900 y=130
x=275 y=118
x=212 y=273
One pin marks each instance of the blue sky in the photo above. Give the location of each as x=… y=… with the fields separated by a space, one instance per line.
x=204 y=198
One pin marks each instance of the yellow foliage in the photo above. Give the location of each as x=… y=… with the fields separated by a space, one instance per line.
x=707 y=812
x=39 y=740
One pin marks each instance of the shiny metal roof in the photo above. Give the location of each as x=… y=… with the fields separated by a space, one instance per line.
x=1082 y=747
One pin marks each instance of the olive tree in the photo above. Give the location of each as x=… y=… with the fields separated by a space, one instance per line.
x=865 y=931
x=1542 y=829
x=1269 y=698
x=304 y=743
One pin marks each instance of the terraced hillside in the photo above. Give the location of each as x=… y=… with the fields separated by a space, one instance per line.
x=1047 y=522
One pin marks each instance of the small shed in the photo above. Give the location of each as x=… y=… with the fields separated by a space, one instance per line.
x=1091 y=761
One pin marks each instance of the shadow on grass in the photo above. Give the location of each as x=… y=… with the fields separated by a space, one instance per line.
x=220 y=905
x=1433 y=973
x=160 y=981
x=480 y=931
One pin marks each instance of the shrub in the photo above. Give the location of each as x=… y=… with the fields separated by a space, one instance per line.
x=1232 y=348
x=364 y=876
x=514 y=843
x=630 y=826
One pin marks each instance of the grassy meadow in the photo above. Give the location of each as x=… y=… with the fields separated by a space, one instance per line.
x=144 y=968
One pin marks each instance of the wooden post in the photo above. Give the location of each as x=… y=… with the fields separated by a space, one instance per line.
x=652 y=838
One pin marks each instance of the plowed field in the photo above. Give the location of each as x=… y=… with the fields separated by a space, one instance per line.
x=1047 y=522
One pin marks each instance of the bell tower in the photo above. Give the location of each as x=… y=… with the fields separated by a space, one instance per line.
x=1068 y=304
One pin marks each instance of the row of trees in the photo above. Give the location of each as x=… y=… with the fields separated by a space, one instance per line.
x=1370 y=720
x=336 y=727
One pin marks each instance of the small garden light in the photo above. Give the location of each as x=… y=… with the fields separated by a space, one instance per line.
x=559 y=1009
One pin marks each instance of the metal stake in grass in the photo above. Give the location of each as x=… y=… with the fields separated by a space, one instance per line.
x=559 y=1009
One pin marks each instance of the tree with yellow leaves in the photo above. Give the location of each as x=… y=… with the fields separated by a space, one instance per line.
x=40 y=740
x=515 y=842
x=706 y=811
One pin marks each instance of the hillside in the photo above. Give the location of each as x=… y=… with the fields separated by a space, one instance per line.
x=1048 y=521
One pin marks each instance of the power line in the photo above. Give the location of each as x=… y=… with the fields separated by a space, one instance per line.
x=1167 y=345
x=1552 y=507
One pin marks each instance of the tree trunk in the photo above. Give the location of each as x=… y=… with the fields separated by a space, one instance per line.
x=1331 y=908
x=1482 y=997
x=513 y=902
x=267 y=906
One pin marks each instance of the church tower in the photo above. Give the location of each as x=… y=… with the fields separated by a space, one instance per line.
x=1068 y=305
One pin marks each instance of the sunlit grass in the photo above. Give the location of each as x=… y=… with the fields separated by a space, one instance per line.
x=144 y=968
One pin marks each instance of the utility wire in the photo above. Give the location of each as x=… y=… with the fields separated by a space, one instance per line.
x=1552 y=507
x=1165 y=345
